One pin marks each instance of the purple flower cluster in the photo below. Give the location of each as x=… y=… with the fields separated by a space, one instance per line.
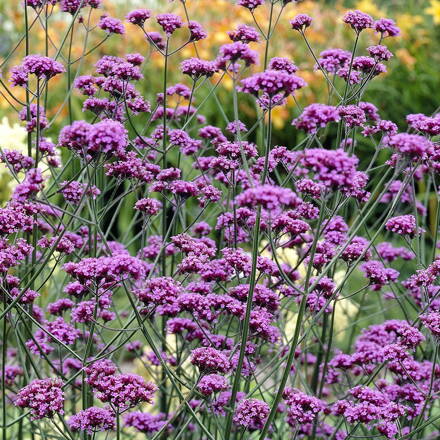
x=138 y=16
x=251 y=414
x=44 y=398
x=145 y=422
x=111 y=25
x=403 y=225
x=93 y=419
x=358 y=20
x=272 y=82
x=212 y=383
x=234 y=256
x=301 y=408
x=210 y=360
x=122 y=391
x=250 y=4
x=301 y=22
x=169 y=22
x=316 y=116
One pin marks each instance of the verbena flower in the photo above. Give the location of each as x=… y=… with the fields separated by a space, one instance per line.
x=169 y=23
x=138 y=16
x=111 y=25
x=301 y=22
x=44 y=398
x=251 y=413
x=358 y=20
x=92 y=420
x=250 y=4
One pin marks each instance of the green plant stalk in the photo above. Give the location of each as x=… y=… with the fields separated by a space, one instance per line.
x=163 y=395
x=245 y=326
x=252 y=284
x=299 y=320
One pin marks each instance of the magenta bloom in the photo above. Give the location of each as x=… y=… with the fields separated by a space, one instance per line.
x=279 y=63
x=210 y=360
x=145 y=422
x=229 y=54
x=301 y=22
x=125 y=390
x=148 y=206
x=111 y=25
x=196 y=68
x=386 y=27
x=403 y=225
x=44 y=397
x=196 y=31
x=380 y=52
x=108 y=137
x=212 y=383
x=301 y=408
x=272 y=82
x=250 y=4
x=358 y=20
x=316 y=116
x=138 y=16
x=414 y=146
x=42 y=67
x=432 y=322
x=93 y=420
x=72 y=6
x=245 y=34
x=169 y=22
x=74 y=191
x=251 y=413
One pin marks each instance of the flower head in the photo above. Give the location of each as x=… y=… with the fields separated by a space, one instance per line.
x=44 y=397
x=138 y=16
x=358 y=20
x=169 y=22
x=301 y=22
x=92 y=420
x=111 y=25
x=251 y=413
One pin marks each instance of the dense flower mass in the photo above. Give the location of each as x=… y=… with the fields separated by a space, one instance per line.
x=358 y=20
x=44 y=398
x=251 y=413
x=174 y=265
x=272 y=82
x=301 y=22
x=316 y=116
x=92 y=420
x=403 y=225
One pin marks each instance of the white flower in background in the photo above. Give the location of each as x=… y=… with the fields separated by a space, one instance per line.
x=12 y=137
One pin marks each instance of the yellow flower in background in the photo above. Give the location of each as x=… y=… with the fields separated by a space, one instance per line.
x=369 y=7
x=434 y=10
x=280 y=115
x=407 y=22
